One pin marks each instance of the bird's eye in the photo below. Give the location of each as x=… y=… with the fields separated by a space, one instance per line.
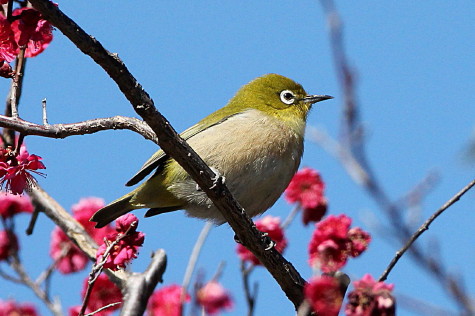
x=287 y=96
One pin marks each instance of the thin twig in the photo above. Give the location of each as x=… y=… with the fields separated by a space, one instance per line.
x=194 y=258
x=45 y=116
x=290 y=218
x=423 y=228
x=103 y=308
x=251 y=297
x=17 y=82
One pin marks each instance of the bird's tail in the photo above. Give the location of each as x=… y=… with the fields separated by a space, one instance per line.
x=112 y=211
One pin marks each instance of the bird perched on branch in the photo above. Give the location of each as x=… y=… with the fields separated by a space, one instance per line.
x=255 y=142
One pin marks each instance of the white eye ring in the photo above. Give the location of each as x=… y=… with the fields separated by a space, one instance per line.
x=287 y=96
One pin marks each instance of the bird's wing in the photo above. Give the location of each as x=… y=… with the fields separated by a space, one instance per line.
x=157 y=161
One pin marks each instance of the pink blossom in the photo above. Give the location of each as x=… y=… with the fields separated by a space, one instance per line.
x=12 y=308
x=11 y=205
x=271 y=226
x=306 y=188
x=103 y=293
x=126 y=249
x=371 y=298
x=323 y=294
x=69 y=258
x=6 y=70
x=8 y=46
x=333 y=242
x=167 y=301
x=8 y=244
x=15 y=171
x=82 y=212
x=213 y=297
x=32 y=30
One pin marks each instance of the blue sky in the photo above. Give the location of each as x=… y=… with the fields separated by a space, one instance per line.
x=414 y=64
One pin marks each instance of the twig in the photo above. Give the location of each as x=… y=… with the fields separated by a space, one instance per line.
x=16 y=83
x=16 y=265
x=194 y=258
x=290 y=218
x=31 y=224
x=423 y=228
x=251 y=297
x=80 y=128
x=45 y=116
x=103 y=308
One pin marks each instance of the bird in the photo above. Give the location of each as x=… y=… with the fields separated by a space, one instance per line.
x=255 y=143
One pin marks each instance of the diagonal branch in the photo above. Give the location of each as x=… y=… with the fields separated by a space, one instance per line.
x=284 y=273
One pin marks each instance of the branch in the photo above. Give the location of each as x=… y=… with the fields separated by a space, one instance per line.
x=141 y=285
x=71 y=228
x=284 y=273
x=423 y=228
x=81 y=128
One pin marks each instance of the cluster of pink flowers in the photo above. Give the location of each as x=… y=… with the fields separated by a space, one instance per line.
x=307 y=189
x=213 y=297
x=371 y=298
x=167 y=301
x=10 y=205
x=12 y=308
x=270 y=225
x=127 y=242
x=324 y=295
x=333 y=242
x=69 y=258
x=26 y=28
x=103 y=293
x=15 y=170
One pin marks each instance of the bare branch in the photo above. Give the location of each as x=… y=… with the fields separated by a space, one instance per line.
x=423 y=228
x=81 y=128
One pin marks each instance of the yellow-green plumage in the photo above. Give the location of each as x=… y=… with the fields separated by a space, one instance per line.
x=255 y=142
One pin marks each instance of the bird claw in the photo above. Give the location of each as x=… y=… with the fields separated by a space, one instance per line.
x=268 y=241
x=217 y=178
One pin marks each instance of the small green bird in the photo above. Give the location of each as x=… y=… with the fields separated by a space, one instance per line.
x=255 y=142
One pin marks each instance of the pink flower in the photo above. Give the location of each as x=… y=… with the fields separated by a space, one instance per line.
x=213 y=297
x=69 y=258
x=15 y=171
x=167 y=301
x=371 y=298
x=6 y=70
x=8 y=244
x=83 y=211
x=14 y=204
x=306 y=188
x=126 y=249
x=12 y=308
x=32 y=30
x=333 y=242
x=323 y=294
x=270 y=225
x=103 y=293
x=8 y=46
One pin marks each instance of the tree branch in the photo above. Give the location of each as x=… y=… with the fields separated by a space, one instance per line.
x=285 y=274
x=80 y=128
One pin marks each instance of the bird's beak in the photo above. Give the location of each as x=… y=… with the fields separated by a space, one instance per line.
x=316 y=98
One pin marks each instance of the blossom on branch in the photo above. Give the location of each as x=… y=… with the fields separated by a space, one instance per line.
x=69 y=258
x=12 y=308
x=270 y=225
x=213 y=298
x=333 y=242
x=15 y=174
x=8 y=46
x=11 y=205
x=8 y=244
x=123 y=245
x=167 y=301
x=371 y=298
x=103 y=293
x=324 y=295
x=306 y=188
x=32 y=31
